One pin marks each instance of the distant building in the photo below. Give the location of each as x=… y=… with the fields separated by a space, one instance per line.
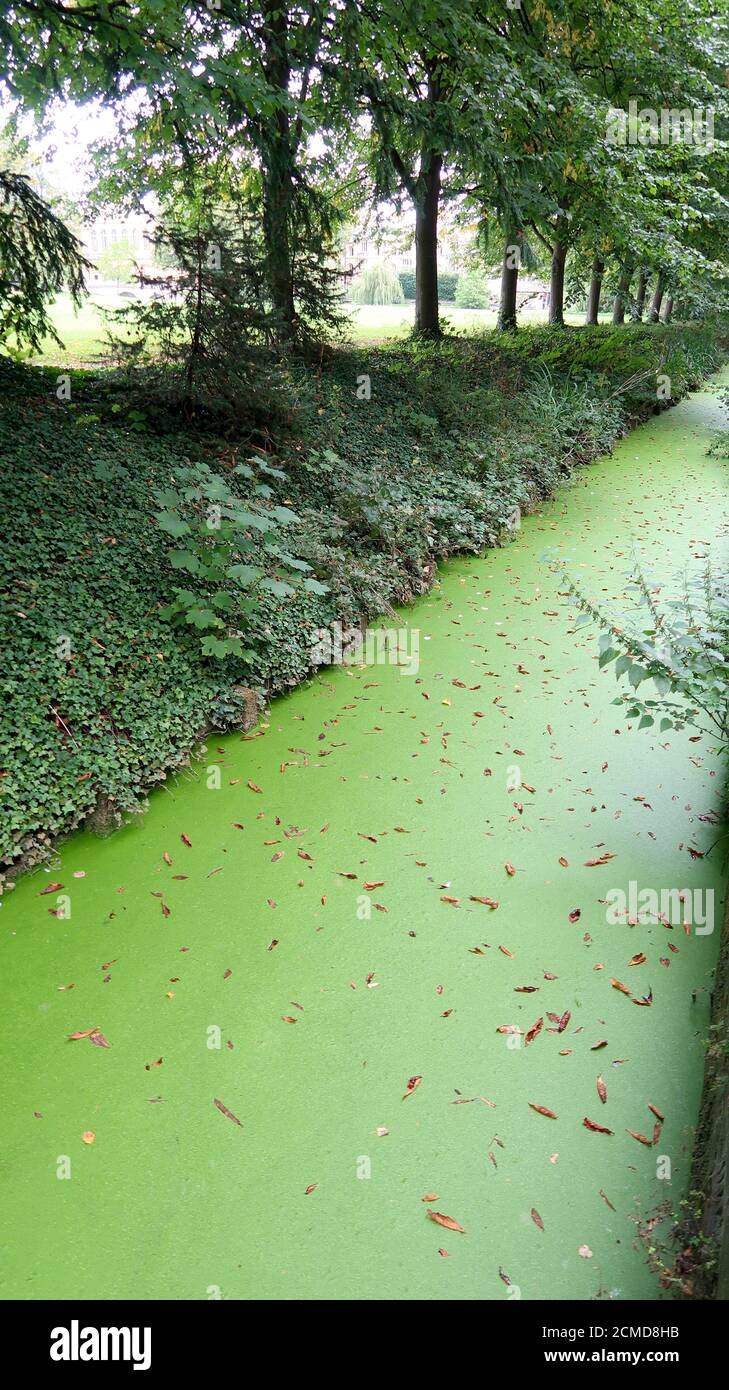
x=133 y=230
x=362 y=249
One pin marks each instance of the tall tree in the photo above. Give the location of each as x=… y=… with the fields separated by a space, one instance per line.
x=425 y=73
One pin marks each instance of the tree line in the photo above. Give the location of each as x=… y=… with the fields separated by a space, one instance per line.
x=594 y=135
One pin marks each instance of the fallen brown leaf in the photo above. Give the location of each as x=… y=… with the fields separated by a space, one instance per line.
x=228 y=1113
x=446 y=1221
x=596 y=1128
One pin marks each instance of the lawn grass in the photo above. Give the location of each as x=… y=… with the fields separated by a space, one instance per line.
x=377 y=321
x=83 y=331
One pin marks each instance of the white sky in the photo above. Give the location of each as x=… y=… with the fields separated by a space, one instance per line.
x=65 y=143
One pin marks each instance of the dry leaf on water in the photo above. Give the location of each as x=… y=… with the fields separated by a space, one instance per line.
x=533 y=1031
x=228 y=1113
x=642 y=1138
x=595 y=1127
x=94 y=1035
x=446 y=1221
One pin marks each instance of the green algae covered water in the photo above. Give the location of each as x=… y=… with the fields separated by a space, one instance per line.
x=317 y=1034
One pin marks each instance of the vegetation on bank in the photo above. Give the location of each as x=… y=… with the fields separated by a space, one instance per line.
x=679 y=646
x=131 y=618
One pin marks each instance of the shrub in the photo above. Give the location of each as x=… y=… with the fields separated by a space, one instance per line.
x=681 y=645
x=229 y=546
x=447 y=281
x=472 y=290
x=198 y=343
x=117 y=262
x=407 y=282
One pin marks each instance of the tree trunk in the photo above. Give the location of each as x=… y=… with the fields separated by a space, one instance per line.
x=668 y=310
x=427 y=203
x=509 y=280
x=194 y=355
x=556 y=284
x=593 y=298
x=277 y=160
x=277 y=196
x=655 y=309
x=639 y=302
x=626 y=276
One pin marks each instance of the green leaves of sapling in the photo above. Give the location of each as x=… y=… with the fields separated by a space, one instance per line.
x=231 y=548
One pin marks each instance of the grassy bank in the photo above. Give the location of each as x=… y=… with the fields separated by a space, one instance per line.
x=103 y=697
